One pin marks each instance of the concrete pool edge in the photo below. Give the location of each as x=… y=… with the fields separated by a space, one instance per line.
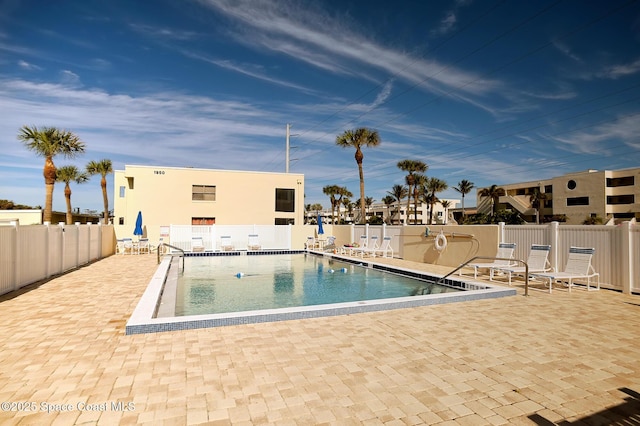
x=143 y=319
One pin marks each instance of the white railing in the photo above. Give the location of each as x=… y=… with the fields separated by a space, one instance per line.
x=36 y=252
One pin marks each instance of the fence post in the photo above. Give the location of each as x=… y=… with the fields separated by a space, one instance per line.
x=501 y=226
x=16 y=258
x=63 y=248
x=47 y=252
x=554 y=241
x=626 y=261
x=384 y=230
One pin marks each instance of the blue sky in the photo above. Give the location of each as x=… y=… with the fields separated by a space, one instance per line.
x=489 y=91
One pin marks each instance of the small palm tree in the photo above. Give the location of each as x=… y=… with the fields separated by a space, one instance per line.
x=433 y=186
x=413 y=167
x=102 y=168
x=388 y=200
x=418 y=191
x=346 y=203
x=537 y=199
x=445 y=205
x=368 y=201
x=357 y=139
x=332 y=191
x=48 y=142
x=494 y=192
x=67 y=174
x=398 y=192
x=464 y=187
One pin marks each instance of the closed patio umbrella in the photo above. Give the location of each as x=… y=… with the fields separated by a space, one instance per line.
x=320 y=230
x=138 y=230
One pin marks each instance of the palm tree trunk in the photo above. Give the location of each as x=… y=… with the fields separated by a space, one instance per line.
x=363 y=218
x=408 y=205
x=49 y=173
x=67 y=196
x=103 y=184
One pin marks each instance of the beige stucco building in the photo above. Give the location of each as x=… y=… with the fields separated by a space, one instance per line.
x=180 y=196
x=608 y=194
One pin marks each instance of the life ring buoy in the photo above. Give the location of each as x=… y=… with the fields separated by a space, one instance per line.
x=441 y=242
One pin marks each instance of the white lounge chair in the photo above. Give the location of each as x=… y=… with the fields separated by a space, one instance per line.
x=329 y=244
x=538 y=261
x=384 y=249
x=143 y=246
x=129 y=247
x=226 y=244
x=578 y=267
x=369 y=248
x=254 y=242
x=312 y=243
x=197 y=244
x=505 y=251
x=120 y=246
x=350 y=249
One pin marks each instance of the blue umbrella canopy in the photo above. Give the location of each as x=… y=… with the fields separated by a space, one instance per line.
x=320 y=230
x=138 y=230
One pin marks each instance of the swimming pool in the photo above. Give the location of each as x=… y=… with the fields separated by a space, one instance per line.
x=156 y=308
x=217 y=284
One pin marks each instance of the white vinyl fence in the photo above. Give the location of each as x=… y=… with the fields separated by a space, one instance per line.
x=270 y=237
x=617 y=248
x=36 y=252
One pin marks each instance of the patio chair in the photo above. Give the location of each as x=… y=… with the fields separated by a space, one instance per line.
x=384 y=249
x=197 y=244
x=226 y=244
x=538 y=261
x=349 y=249
x=143 y=246
x=311 y=243
x=578 y=267
x=369 y=248
x=129 y=247
x=505 y=251
x=330 y=244
x=254 y=242
x=120 y=246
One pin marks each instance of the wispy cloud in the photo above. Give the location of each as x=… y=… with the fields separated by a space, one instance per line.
x=565 y=50
x=163 y=32
x=615 y=72
x=28 y=66
x=294 y=30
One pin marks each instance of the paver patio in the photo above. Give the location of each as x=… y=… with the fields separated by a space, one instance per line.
x=568 y=358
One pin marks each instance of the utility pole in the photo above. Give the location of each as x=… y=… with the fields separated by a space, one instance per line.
x=286 y=158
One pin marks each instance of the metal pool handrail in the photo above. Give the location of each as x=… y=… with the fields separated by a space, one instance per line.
x=173 y=247
x=526 y=269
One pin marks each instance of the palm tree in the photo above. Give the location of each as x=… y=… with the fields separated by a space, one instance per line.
x=494 y=192
x=67 y=174
x=368 y=201
x=412 y=167
x=418 y=189
x=344 y=193
x=398 y=192
x=102 y=168
x=346 y=203
x=433 y=186
x=48 y=142
x=331 y=191
x=464 y=187
x=445 y=205
x=357 y=139
x=388 y=200
x=537 y=199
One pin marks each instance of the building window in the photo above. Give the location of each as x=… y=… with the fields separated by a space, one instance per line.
x=121 y=221
x=285 y=221
x=548 y=189
x=571 y=184
x=623 y=181
x=122 y=192
x=285 y=200
x=620 y=199
x=203 y=220
x=203 y=193
x=578 y=201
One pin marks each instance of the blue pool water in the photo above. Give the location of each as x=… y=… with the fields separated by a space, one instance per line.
x=222 y=284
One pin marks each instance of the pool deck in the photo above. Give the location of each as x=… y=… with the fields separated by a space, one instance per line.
x=565 y=358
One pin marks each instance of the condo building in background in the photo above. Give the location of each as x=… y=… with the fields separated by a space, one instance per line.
x=181 y=195
x=576 y=197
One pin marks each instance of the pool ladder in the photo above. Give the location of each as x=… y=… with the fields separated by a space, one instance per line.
x=526 y=270
x=162 y=245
